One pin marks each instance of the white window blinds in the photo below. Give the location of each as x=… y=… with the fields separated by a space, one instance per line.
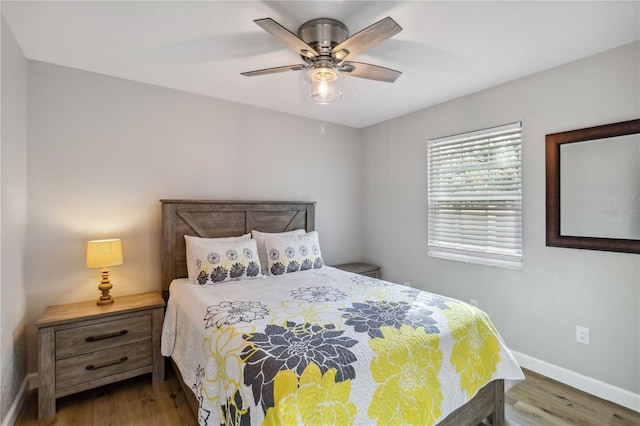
x=475 y=196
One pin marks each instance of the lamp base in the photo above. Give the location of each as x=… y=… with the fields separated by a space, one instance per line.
x=104 y=287
x=102 y=301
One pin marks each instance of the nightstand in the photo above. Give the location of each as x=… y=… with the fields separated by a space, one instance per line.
x=83 y=346
x=365 y=269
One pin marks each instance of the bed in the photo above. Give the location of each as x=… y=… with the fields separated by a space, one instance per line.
x=367 y=352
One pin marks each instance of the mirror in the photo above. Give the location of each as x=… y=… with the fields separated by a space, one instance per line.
x=599 y=187
x=593 y=188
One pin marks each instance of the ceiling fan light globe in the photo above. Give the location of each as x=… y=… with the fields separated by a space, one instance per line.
x=323 y=85
x=331 y=98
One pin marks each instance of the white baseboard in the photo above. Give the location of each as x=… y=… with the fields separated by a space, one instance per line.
x=18 y=402
x=576 y=380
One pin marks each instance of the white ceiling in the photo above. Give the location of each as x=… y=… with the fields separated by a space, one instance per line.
x=447 y=48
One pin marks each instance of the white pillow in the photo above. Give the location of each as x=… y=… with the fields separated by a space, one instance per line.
x=293 y=253
x=221 y=261
x=262 y=250
x=198 y=244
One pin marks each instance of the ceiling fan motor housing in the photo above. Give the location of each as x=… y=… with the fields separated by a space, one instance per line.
x=323 y=34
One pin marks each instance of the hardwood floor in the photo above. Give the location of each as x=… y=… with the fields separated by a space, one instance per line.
x=538 y=401
x=541 y=401
x=132 y=402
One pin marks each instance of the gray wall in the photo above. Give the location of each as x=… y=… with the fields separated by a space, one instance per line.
x=103 y=151
x=538 y=308
x=13 y=219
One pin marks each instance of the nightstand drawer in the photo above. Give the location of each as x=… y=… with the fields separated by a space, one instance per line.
x=108 y=362
x=83 y=339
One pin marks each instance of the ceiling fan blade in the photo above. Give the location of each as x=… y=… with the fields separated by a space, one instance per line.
x=370 y=72
x=367 y=38
x=275 y=70
x=287 y=37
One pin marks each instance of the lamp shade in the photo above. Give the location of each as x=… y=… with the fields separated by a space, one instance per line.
x=323 y=83
x=104 y=253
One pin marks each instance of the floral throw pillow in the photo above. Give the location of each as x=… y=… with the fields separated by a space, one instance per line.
x=293 y=253
x=191 y=242
x=217 y=262
x=262 y=249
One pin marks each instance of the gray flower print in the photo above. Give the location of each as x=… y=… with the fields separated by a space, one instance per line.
x=306 y=265
x=289 y=252
x=318 y=263
x=315 y=250
x=279 y=348
x=219 y=274
x=303 y=250
x=203 y=415
x=237 y=270
x=198 y=263
x=293 y=266
x=213 y=258
x=233 y=313
x=274 y=254
x=235 y=411
x=203 y=277
x=318 y=294
x=232 y=254
x=247 y=253
x=277 y=268
x=253 y=269
x=368 y=281
x=428 y=300
x=370 y=316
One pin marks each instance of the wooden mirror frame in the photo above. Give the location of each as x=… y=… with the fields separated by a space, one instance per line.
x=553 y=143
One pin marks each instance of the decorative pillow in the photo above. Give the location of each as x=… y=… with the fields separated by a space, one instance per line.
x=293 y=253
x=197 y=244
x=262 y=249
x=227 y=261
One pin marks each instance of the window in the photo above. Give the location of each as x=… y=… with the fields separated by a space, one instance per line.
x=475 y=196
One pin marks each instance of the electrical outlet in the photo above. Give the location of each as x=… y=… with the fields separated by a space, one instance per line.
x=473 y=302
x=582 y=335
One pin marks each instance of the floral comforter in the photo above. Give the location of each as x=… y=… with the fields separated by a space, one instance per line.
x=329 y=347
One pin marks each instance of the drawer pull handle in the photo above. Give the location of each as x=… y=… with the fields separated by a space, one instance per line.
x=92 y=367
x=106 y=336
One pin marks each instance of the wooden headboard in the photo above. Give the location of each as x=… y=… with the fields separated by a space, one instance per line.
x=214 y=219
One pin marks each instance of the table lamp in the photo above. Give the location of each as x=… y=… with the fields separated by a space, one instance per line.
x=102 y=254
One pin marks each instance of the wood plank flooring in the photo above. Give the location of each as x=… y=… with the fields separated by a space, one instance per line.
x=541 y=401
x=132 y=402
x=538 y=401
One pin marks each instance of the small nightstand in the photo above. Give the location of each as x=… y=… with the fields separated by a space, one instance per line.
x=83 y=345
x=365 y=269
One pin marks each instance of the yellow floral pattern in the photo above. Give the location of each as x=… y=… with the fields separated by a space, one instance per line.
x=223 y=369
x=406 y=366
x=476 y=351
x=297 y=401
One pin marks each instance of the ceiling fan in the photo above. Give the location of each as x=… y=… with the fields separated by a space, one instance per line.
x=324 y=45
